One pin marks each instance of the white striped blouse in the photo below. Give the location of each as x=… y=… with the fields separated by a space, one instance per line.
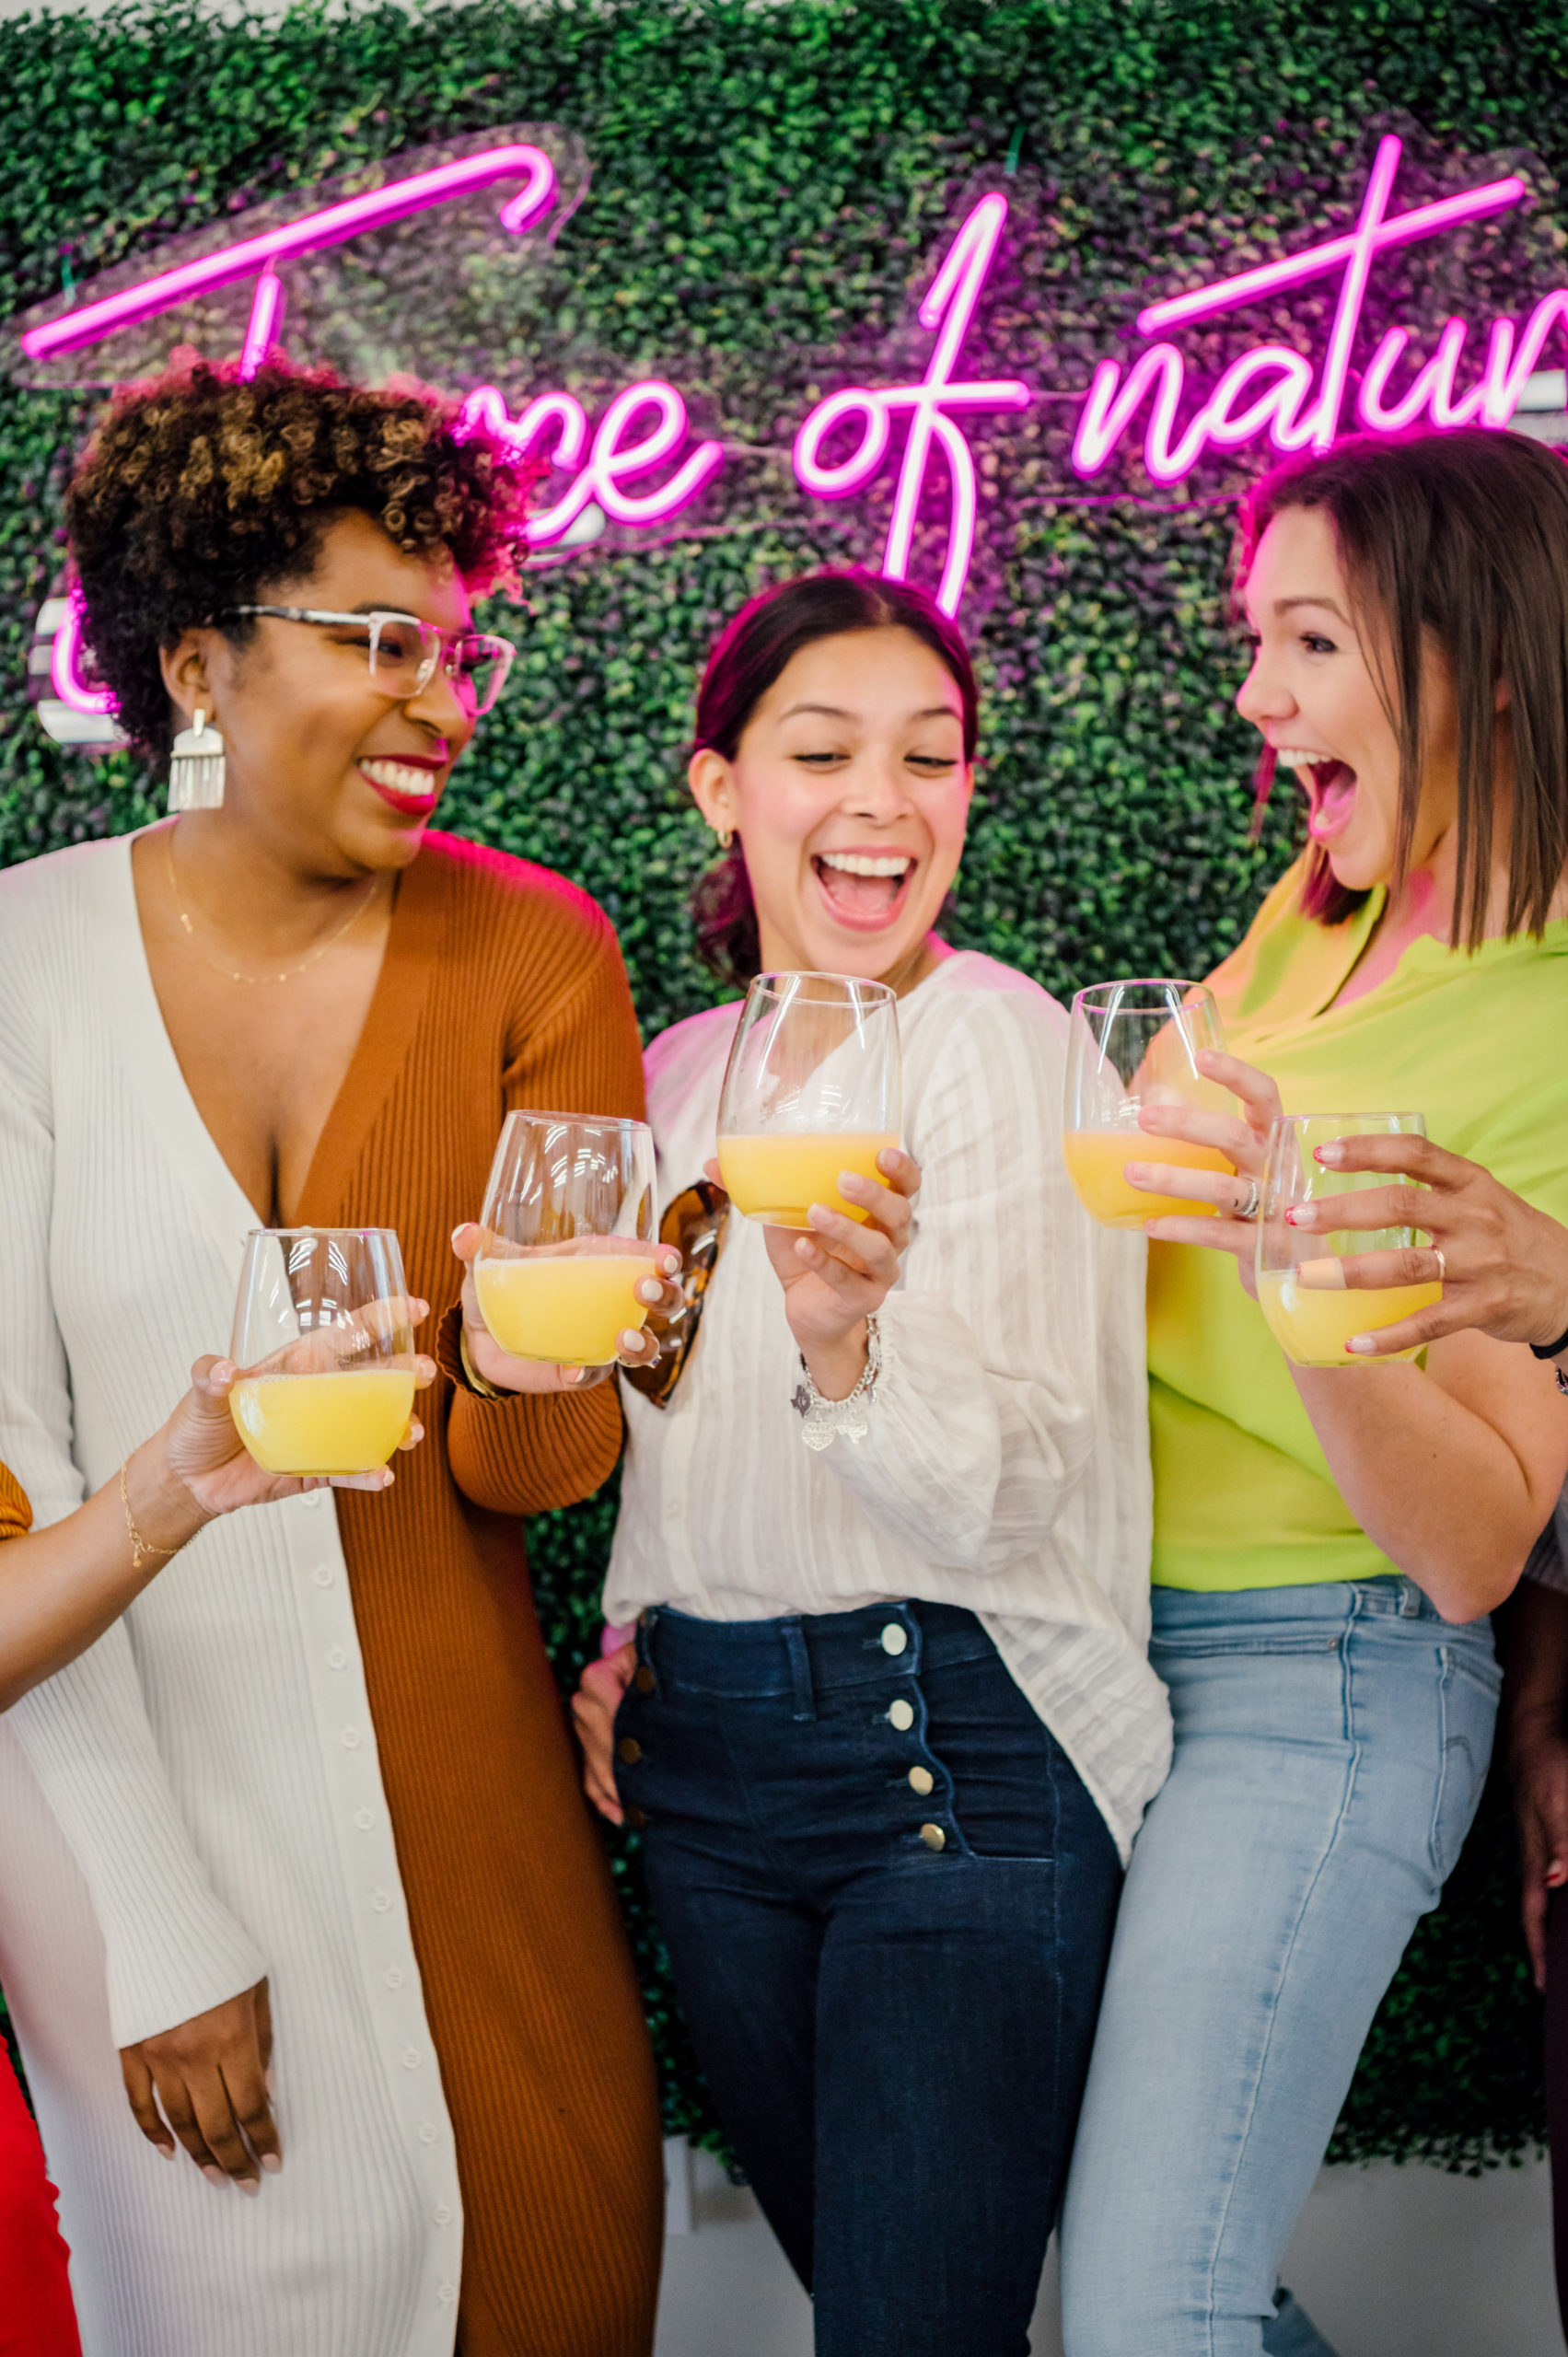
x=1007 y=1468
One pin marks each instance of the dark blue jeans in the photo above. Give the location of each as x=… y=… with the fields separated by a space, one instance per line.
x=888 y=1900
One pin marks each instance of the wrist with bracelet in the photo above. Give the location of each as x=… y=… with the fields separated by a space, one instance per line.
x=142 y=1547
x=1557 y=1351
x=826 y=1421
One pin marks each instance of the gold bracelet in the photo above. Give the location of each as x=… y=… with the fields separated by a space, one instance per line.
x=471 y=1375
x=139 y=1546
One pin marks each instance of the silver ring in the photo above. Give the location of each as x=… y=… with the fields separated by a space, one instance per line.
x=1248 y=1210
x=1442 y=1265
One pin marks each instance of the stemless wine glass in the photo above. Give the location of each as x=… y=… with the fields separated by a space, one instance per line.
x=813 y=1086
x=1131 y=1045
x=569 y=1236
x=1311 y=1312
x=325 y=1349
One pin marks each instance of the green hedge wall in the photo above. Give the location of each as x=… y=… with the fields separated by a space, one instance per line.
x=769 y=189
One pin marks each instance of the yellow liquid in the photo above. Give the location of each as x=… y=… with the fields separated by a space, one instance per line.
x=567 y=1307
x=1096 y=1159
x=1312 y=1325
x=323 y=1423
x=778 y=1179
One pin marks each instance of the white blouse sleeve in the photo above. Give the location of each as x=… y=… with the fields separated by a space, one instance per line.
x=173 y=1949
x=983 y=1418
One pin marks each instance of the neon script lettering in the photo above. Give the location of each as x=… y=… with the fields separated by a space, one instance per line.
x=559 y=424
x=642 y=430
x=1276 y=392
x=948 y=309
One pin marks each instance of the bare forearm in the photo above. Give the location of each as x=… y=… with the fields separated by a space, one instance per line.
x=61 y=1588
x=1432 y=1483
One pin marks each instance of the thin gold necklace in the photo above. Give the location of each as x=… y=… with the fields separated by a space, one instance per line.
x=228 y=972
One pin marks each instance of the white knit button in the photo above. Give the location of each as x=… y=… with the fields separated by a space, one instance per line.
x=895 y=1637
x=365 y=1818
x=350 y=1738
x=380 y=1901
x=412 y=2058
x=428 y=2131
x=394 y=1978
x=323 y=1576
x=902 y=1715
x=672 y=1512
x=442 y=2214
x=337 y=1658
x=448 y=2291
x=313 y=1499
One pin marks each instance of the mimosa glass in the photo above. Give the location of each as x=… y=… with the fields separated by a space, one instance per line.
x=569 y=1236
x=1133 y=1046
x=1310 y=1310
x=325 y=1349
x=813 y=1087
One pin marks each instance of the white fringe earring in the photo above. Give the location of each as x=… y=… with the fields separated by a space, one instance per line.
x=196 y=768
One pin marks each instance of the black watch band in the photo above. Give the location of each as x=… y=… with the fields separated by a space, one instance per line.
x=1550 y=1350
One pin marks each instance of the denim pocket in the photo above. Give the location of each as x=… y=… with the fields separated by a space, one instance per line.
x=1469 y=1686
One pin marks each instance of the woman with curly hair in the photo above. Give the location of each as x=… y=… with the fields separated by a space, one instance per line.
x=314 y=1792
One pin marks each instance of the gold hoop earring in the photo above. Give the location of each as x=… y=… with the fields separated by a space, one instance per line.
x=726 y=836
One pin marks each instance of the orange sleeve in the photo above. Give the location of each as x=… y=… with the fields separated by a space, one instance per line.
x=533 y=1452
x=16 y=1514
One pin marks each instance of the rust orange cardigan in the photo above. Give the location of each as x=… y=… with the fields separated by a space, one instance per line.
x=502 y=986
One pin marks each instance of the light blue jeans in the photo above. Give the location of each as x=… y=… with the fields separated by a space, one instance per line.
x=1331 y=1747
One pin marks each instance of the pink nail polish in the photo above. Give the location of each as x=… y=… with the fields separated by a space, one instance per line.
x=251 y=2185
x=272 y=2162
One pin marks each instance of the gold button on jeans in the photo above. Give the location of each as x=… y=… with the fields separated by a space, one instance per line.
x=629 y=1751
x=933 y=1837
x=922 y=1781
x=901 y=1714
x=644 y=1680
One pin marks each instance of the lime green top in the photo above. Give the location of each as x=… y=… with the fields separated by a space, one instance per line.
x=1243 y=1493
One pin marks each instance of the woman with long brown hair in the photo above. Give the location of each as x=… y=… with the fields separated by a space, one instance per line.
x=319 y=1781
x=1328 y=1542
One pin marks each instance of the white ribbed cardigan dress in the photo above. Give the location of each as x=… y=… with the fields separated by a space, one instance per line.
x=150 y=1821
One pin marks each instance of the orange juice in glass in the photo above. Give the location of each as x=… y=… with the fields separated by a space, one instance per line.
x=569 y=1238
x=322 y=1339
x=1306 y=1305
x=1133 y=1047
x=812 y=1089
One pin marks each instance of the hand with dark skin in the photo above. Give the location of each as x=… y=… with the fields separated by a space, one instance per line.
x=1535 y=1719
x=1507 y=1272
x=833 y=1279
x=210 y=2076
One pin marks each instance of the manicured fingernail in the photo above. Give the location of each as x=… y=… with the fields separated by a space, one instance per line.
x=270 y=2080
x=166 y=2150
x=1362 y=1342
x=456 y=1233
x=214 y=2175
x=650 y=1290
x=1299 y=1215
x=251 y=2185
x=571 y=1375
x=272 y=2162
x=1555 y=1874
x=631 y=1337
x=1136 y=1171
x=1332 y=1154
x=418 y=1309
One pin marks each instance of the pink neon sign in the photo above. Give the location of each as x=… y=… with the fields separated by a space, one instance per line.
x=375 y=209
x=948 y=307
x=1275 y=390
x=559 y=422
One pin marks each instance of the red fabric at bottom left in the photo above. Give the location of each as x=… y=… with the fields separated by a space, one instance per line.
x=37 y=2318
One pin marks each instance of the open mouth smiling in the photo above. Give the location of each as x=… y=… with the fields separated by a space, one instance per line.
x=1330 y=785
x=411 y=787
x=865 y=891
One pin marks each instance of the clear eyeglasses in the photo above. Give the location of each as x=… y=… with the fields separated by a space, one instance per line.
x=403 y=652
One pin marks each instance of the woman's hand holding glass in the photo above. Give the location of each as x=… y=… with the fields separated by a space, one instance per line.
x=839 y=1271
x=659 y=1295
x=1502 y=1264
x=201 y=1447
x=1243 y=1140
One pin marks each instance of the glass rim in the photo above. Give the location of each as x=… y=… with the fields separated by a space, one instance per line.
x=772 y=982
x=1304 y=1121
x=587 y=1121
x=1095 y=994
x=305 y=1230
